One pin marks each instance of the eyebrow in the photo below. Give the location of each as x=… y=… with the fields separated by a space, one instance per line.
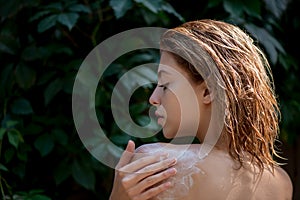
x=162 y=71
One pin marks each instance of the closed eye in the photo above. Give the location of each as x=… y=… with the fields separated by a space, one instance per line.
x=163 y=86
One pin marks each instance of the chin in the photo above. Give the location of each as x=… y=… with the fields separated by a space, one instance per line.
x=168 y=134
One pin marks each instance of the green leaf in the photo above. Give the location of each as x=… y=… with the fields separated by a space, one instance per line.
x=62 y=172
x=19 y=169
x=287 y=61
x=79 y=8
x=267 y=40
x=25 y=76
x=32 y=53
x=120 y=7
x=23 y=152
x=44 y=78
x=277 y=7
x=39 y=15
x=253 y=8
x=54 y=7
x=233 y=7
x=140 y=76
x=6 y=48
x=44 y=144
x=83 y=175
x=14 y=137
x=68 y=84
x=8 y=154
x=3 y=168
x=143 y=120
x=60 y=136
x=120 y=139
x=52 y=89
x=21 y=107
x=9 y=43
x=47 y=23
x=153 y=5
x=55 y=48
x=68 y=19
x=40 y=197
x=2 y=132
x=11 y=123
x=10 y=8
x=35 y=191
x=137 y=108
x=169 y=9
x=33 y=129
x=213 y=3
x=141 y=58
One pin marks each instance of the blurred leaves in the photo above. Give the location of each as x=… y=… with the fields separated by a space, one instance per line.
x=14 y=137
x=277 y=7
x=120 y=7
x=271 y=45
x=21 y=106
x=30 y=195
x=44 y=144
x=65 y=13
x=237 y=7
x=25 y=76
x=83 y=175
x=42 y=46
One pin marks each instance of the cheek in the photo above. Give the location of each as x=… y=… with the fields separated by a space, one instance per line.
x=183 y=115
x=172 y=108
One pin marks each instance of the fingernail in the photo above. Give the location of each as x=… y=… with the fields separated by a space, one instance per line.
x=168 y=184
x=172 y=171
x=172 y=161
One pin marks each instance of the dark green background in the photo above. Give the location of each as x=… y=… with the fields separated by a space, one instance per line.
x=42 y=44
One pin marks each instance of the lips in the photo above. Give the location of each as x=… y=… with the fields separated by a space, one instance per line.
x=160 y=118
x=158 y=114
x=161 y=121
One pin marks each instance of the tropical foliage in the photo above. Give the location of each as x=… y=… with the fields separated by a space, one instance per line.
x=43 y=43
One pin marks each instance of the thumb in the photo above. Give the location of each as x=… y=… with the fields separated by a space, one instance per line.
x=130 y=146
x=127 y=154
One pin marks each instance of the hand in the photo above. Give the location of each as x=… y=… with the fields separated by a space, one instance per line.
x=141 y=179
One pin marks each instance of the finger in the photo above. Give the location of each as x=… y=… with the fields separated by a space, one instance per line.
x=127 y=154
x=159 y=166
x=151 y=181
x=143 y=162
x=133 y=179
x=152 y=192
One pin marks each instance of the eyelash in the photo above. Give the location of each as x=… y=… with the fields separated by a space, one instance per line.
x=164 y=86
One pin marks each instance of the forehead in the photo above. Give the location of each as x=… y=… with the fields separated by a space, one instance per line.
x=169 y=66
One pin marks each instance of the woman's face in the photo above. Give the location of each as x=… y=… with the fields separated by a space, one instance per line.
x=178 y=100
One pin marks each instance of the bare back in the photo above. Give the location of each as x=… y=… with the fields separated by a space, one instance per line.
x=218 y=177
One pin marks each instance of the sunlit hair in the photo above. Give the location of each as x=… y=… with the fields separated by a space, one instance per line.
x=252 y=112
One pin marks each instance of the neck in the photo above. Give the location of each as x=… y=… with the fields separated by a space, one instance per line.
x=222 y=142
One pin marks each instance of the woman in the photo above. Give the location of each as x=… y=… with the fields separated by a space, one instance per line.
x=216 y=85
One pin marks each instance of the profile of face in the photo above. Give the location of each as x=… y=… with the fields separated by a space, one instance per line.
x=182 y=104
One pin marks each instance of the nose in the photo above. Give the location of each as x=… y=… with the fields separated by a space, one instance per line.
x=155 y=97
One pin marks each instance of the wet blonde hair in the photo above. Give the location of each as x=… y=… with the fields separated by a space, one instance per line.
x=252 y=112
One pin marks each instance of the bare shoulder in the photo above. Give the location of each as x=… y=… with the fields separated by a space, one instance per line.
x=284 y=179
x=217 y=176
x=148 y=148
x=277 y=184
x=284 y=182
x=160 y=147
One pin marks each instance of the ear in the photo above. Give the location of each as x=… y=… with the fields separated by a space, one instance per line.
x=206 y=94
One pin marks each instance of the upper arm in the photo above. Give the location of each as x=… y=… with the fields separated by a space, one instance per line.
x=275 y=186
x=285 y=183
